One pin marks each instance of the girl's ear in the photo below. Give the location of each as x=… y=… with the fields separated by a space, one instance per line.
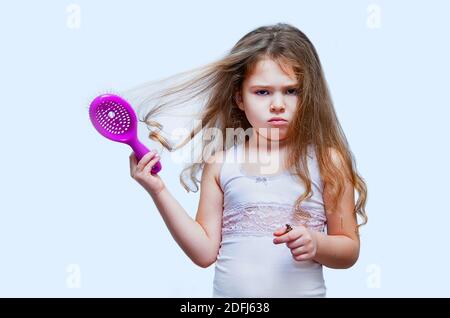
x=238 y=99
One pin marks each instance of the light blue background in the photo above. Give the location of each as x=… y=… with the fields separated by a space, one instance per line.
x=69 y=207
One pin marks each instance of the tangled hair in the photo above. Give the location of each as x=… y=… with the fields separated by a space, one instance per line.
x=314 y=123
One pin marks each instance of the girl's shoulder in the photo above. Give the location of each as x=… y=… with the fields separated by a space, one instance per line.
x=214 y=163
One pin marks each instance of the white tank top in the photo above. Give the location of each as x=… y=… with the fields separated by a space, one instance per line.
x=249 y=264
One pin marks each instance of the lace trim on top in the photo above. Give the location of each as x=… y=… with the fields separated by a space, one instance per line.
x=263 y=218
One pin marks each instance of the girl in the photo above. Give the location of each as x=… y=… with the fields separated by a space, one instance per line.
x=263 y=229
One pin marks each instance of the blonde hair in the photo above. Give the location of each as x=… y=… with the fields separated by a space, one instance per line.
x=215 y=84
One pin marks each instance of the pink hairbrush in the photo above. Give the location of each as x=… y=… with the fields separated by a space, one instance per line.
x=115 y=119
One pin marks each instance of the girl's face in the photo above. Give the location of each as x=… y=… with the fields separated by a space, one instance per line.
x=266 y=93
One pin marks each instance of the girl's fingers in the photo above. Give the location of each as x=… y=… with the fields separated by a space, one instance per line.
x=132 y=162
x=303 y=257
x=280 y=231
x=133 y=158
x=151 y=163
x=285 y=237
x=144 y=160
x=292 y=235
x=296 y=243
x=299 y=251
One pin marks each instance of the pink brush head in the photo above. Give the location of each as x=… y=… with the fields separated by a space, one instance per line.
x=115 y=119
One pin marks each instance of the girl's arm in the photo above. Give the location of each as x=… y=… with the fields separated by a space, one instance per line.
x=339 y=248
x=199 y=239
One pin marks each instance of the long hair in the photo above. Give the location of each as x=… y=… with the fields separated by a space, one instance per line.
x=315 y=121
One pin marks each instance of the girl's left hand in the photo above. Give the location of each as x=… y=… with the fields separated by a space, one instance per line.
x=300 y=240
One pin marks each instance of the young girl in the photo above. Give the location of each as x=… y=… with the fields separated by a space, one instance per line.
x=263 y=228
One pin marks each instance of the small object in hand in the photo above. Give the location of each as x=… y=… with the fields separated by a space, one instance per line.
x=288 y=228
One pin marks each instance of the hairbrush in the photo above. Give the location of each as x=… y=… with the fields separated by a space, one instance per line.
x=114 y=118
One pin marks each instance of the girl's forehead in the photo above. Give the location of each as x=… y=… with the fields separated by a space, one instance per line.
x=267 y=72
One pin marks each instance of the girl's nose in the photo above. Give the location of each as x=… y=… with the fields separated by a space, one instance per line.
x=276 y=108
x=277 y=102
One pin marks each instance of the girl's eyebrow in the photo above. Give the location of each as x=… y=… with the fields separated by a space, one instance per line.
x=269 y=86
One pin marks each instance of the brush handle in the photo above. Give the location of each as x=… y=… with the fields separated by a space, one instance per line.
x=140 y=150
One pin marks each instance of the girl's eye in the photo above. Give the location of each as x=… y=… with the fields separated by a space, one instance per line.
x=291 y=91
x=257 y=92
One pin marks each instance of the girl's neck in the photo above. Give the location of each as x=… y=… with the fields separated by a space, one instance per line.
x=262 y=145
x=261 y=154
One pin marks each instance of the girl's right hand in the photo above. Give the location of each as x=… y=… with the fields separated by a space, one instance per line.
x=140 y=171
